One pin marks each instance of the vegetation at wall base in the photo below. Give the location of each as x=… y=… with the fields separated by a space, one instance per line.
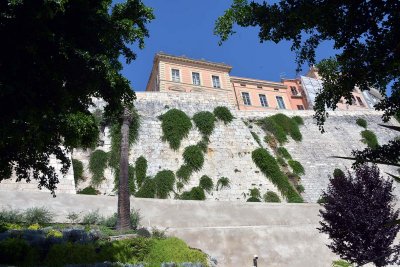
x=223 y=113
x=272 y=197
x=223 y=183
x=148 y=189
x=193 y=157
x=362 y=123
x=184 y=173
x=206 y=183
x=97 y=164
x=77 y=166
x=300 y=188
x=297 y=167
x=140 y=170
x=370 y=139
x=88 y=191
x=256 y=138
x=253 y=199
x=281 y=151
x=196 y=193
x=175 y=125
x=205 y=122
x=270 y=168
x=299 y=120
x=164 y=181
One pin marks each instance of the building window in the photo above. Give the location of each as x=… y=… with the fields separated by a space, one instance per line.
x=300 y=107
x=360 y=101
x=276 y=89
x=196 y=78
x=294 y=90
x=246 y=98
x=215 y=81
x=259 y=86
x=175 y=75
x=263 y=100
x=281 y=103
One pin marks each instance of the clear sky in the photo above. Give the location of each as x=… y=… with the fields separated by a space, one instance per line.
x=185 y=27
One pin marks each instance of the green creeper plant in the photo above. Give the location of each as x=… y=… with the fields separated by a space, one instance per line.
x=164 y=181
x=370 y=139
x=148 y=189
x=140 y=170
x=77 y=166
x=193 y=157
x=222 y=183
x=196 y=193
x=206 y=183
x=205 y=122
x=270 y=196
x=175 y=125
x=297 y=167
x=97 y=165
x=223 y=114
x=184 y=173
x=361 y=122
x=281 y=151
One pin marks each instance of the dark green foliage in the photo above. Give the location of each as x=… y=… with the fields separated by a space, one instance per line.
x=203 y=144
x=283 y=152
x=77 y=166
x=206 y=183
x=140 y=170
x=321 y=200
x=253 y=199
x=17 y=252
x=193 y=157
x=196 y=193
x=39 y=215
x=299 y=120
x=270 y=168
x=361 y=122
x=148 y=189
x=269 y=124
x=175 y=125
x=11 y=216
x=369 y=138
x=256 y=137
x=300 y=188
x=164 y=181
x=184 y=173
x=205 y=122
x=255 y=195
x=222 y=183
x=281 y=161
x=179 y=186
x=88 y=191
x=55 y=72
x=223 y=114
x=338 y=173
x=289 y=126
x=97 y=165
x=271 y=197
x=296 y=166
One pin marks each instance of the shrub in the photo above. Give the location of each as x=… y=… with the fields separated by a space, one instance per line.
x=289 y=126
x=269 y=124
x=281 y=161
x=222 y=183
x=196 y=193
x=284 y=153
x=255 y=192
x=269 y=167
x=193 y=157
x=164 y=181
x=92 y=217
x=11 y=216
x=369 y=138
x=141 y=170
x=184 y=173
x=299 y=120
x=175 y=125
x=77 y=167
x=338 y=173
x=296 y=166
x=143 y=232
x=158 y=233
x=40 y=215
x=17 y=252
x=271 y=197
x=97 y=165
x=300 y=188
x=88 y=191
x=253 y=199
x=361 y=122
x=34 y=226
x=148 y=189
x=223 y=114
x=256 y=137
x=206 y=183
x=205 y=122
x=179 y=186
x=135 y=218
x=73 y=217
x=111 y=221
x=203 y=144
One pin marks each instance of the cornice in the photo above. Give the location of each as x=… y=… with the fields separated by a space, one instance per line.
x=258 y=82
x=160 y=56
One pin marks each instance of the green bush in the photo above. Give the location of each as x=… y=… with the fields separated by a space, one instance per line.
x=196 y=193
x=179 y=186
x=270 y=168
x=11 y=216
x=271 y=197
x=281 y=151
x=289 y=126
x=281 y=161
x=206 y=183
x=299 y=120
x=255 y=192
x=269 y=124
x=222 y=183
x=193 y=157
x=39 y=215
x=111 y=221
x=77 y=167
x=148 y=189
x=300 y=188
x=256 y=137
x=223 y=114
x=71 y=253
x=97 y=165
x=88 y=191
x=369 y=138
x=297 y=167
x=338 y=173
x=205 y=122
x=361 y=122
x=253 y=199
x=164 y=181
x=141 y=170
x=92 y=218
x=175 y=125
x=17 y=252
x=203 y=145
x=184 y=173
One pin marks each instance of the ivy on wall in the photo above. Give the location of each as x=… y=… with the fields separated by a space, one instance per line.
x=77 y=166
x=175 y=125
x=97 y=165
x=223 y=114
x=140 y=170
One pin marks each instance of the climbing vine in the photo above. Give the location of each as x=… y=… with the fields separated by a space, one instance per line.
x=175 y=125
x=97 y=165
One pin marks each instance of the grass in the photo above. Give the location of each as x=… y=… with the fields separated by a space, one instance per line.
x=296 y=167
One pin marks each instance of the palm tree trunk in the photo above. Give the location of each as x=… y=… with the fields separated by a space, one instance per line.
x=123 y=219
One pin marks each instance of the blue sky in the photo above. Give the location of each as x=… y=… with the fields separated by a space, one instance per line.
x=185 y=27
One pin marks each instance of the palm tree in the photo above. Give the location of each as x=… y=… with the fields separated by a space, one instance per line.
x=123 y=219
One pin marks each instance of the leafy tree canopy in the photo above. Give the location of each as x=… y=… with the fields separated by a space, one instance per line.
x=56 y=56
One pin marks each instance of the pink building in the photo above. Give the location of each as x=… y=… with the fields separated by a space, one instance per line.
x=296 y=94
